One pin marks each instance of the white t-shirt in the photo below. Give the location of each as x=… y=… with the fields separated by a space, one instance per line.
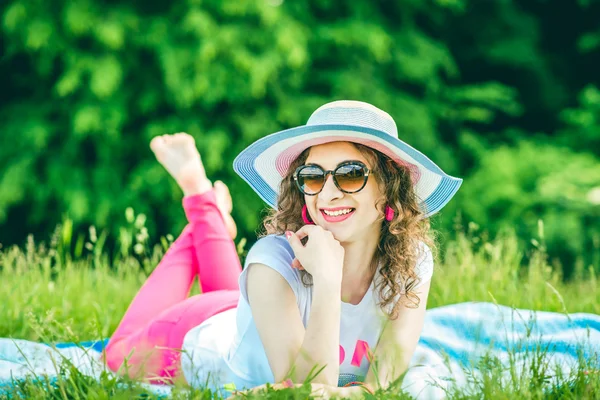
x=226 y=348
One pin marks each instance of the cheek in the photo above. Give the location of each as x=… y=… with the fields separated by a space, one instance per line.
x=371 y=196
x=368 y=205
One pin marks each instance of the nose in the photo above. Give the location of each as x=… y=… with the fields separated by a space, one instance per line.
x=330 y=191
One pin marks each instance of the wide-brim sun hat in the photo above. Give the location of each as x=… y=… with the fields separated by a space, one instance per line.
x=265 y=162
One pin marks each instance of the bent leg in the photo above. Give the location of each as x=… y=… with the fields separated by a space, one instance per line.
x=205 y=238
x=167 y=285
x=154 y=350
x=218 y=263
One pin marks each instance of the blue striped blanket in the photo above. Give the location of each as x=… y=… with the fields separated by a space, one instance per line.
x=458 y=344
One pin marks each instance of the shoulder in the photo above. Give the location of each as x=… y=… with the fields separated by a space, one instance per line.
x=270 y=249
x=271 y=253
x=272 y=240
x=424 y=264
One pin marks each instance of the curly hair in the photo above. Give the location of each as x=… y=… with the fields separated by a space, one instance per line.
x=398 y=250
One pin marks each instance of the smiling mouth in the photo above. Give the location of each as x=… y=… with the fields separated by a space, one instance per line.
x=337 y=213
x=337 y=216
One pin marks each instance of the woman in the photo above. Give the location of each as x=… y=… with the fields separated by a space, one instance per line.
x=338 y=287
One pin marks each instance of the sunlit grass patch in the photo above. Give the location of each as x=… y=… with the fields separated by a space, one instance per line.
x=74 y=291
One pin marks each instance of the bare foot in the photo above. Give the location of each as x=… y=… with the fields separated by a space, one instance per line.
x=178 y=154
x=225 y=205
x=180 y=157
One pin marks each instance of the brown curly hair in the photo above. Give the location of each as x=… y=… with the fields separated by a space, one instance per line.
x=398 y=249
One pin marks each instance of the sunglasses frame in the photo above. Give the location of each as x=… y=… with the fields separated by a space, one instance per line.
x=332 y=173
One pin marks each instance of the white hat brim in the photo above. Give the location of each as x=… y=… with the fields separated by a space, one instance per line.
x=264 y=163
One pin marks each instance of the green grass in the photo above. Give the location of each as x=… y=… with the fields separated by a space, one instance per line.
x=70 y=290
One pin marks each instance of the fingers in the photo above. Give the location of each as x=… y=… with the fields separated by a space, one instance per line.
x=295 y=237
x=307 y=230
x=294 y=242
x=321 y=248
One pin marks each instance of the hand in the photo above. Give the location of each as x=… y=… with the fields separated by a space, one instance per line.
x=322 y=256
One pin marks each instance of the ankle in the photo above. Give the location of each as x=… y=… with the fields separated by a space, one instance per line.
x=199 y=187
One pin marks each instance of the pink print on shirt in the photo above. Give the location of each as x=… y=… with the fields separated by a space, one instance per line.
x=361 y=350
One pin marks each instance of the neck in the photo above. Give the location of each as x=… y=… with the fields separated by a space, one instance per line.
x=357 y=274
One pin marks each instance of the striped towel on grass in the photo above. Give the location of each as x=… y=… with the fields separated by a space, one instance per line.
x=458 y=344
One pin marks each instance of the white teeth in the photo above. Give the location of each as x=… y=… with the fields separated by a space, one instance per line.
x=338 y=212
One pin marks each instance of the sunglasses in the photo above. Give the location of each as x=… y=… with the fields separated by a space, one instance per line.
x=349 y=177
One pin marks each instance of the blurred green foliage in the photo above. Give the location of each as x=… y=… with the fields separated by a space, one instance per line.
x=502 y=93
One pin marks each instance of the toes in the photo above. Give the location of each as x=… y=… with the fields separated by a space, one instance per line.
x=170 y=139
x=231 y=227
x=223 y=187
x=219 y=191
x=182 y=138
x=220 y=185
x=157 y=142
x=222 y=192
x=186 y=137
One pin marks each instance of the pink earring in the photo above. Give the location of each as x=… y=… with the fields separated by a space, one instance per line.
x=389 y=213
x=305 y=216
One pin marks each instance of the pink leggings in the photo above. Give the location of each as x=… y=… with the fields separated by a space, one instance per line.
x=150 y=336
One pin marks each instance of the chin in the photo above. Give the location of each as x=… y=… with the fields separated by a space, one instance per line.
x=340 y=236
x=340 y=233
x=345 y=233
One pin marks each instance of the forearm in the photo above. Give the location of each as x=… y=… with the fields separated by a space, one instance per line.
x=391 y=357
x=385 y=370
x=320 y=346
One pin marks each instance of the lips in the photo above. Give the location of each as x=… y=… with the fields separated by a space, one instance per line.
x=342 y=216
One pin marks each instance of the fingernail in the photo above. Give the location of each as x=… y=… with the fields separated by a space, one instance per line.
x=288 y=383
x=288 y=234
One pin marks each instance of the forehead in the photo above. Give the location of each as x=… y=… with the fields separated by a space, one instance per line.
x=329 y=155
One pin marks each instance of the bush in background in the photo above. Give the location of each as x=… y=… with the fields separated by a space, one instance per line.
x=87 y=84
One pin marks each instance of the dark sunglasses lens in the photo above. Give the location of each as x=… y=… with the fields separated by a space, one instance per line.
x=350 y=177
x=311 y=179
